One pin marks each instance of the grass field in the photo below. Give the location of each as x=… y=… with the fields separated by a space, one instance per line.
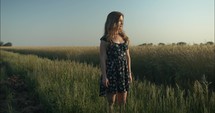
x=160 y=64
x=168 y=79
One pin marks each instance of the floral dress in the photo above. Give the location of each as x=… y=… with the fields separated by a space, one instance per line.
x=116 y=69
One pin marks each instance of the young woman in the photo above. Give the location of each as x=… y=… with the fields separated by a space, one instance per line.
x=115 y=61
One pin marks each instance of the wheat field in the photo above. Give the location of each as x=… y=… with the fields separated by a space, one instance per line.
x=167 y=79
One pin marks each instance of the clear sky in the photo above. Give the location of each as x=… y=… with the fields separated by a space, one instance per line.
x=81 y=22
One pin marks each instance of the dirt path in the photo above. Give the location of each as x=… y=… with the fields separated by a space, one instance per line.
x=17 y=97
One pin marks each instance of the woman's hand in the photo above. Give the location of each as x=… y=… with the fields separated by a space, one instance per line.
x=105 y=81
x=130 y=78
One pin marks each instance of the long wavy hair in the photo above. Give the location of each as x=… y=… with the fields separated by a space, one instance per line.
x=111 y=26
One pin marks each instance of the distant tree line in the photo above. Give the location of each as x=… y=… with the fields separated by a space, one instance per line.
x=5 y=44
x=179 y=43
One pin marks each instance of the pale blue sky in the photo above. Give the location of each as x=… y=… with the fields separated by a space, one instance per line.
x=81 y=23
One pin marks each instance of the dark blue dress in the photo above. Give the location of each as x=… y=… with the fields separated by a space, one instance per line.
x=116 y=69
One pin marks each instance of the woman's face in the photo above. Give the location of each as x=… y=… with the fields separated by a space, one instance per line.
x=120 y=23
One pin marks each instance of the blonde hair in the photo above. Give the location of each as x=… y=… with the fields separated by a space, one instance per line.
x=111 y=26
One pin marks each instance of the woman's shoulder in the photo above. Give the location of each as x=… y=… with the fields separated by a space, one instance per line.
x=126 y=39
x=104 y=38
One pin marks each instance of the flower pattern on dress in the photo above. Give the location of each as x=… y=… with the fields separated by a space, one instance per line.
x=116 y=69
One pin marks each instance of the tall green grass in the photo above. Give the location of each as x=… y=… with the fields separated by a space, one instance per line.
x=169 y=64
x=6 y=94
x=70 y=87
x=174 y=64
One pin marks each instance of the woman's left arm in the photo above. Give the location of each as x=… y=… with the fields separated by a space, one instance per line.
x=129 y=64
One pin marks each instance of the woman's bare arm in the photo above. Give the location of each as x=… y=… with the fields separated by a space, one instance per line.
x=129 y=64
x=103 y=57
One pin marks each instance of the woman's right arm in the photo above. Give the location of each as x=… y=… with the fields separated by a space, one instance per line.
x=103 y=57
